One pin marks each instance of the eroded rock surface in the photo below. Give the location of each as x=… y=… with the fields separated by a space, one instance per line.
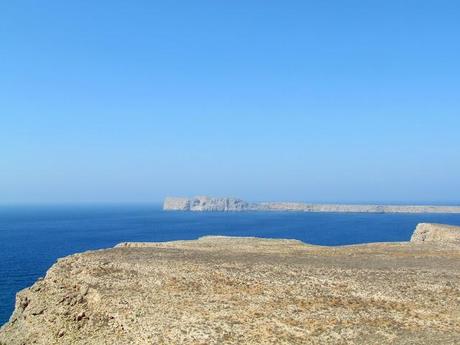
x=176 y=204
x=437 y=233
x=220 y=290
x=206 y=204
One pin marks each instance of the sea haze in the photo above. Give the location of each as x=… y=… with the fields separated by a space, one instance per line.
x=32 y=238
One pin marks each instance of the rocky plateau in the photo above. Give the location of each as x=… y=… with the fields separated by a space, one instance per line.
x=223 y=290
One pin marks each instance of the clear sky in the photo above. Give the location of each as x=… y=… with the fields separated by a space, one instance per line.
x=347 y=101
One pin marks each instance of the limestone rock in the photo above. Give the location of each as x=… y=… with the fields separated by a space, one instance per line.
x=223 y=290
x=438 y=233
x=205 y=203
x=176 y=204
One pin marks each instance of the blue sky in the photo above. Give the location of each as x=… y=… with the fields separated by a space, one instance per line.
x=129 y=101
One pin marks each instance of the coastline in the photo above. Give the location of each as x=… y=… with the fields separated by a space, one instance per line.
x=228 y=204
x=237 y=290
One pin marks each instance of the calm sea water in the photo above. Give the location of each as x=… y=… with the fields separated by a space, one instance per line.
x=32 y=238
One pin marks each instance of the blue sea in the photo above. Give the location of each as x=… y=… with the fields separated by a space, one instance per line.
x=33 y=237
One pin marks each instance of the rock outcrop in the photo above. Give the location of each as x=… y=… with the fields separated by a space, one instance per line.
x=220 y=290
x=436 y=233
x=176 y=204
x=205 y=203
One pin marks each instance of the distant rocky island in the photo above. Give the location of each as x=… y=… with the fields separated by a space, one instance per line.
x=226 y=204
x=236 y=290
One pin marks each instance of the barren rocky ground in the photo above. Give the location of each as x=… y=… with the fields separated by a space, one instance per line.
x=219 y=290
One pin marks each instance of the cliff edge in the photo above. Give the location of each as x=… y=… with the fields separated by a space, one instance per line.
x=436 y=233
x=224 y=290
x=207 y=204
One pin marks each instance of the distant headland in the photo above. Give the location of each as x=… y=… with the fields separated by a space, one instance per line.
x=226 y=204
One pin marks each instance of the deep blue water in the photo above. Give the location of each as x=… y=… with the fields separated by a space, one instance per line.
x=32 y=238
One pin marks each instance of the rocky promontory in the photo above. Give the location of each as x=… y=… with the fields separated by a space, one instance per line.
x=436 y=233
x=207 y=204
x=224 y=290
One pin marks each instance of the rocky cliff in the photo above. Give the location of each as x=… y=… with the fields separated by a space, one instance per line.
x=176 y=204
x=220 y=290
x=205 y=203
x=436 y=233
